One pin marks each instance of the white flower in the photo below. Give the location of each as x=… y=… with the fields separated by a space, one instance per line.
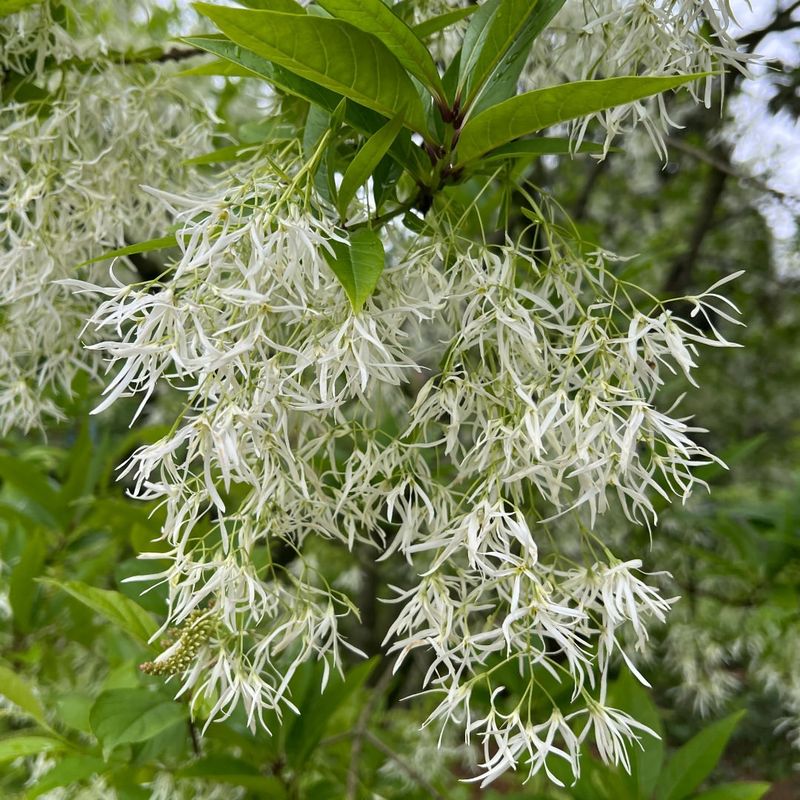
x=612 y=731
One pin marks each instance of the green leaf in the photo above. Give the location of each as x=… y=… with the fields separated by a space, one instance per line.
x=284 y=6
x=82 y=470
x=474 y=39
x=19 y=746
x=365 y=161
x=597 y=781
x=72 y=708
x=36 y=487
x=433 y=25
x=501 y=83
x=12 y=6
x=646 y=758
x=266 y=130
x=121 y=610
x=16 y=689
x=329 y=52
x=403 y=151
x=23 y=593
x=384 y=181
x=693 y=763
x=219 y=66
x=317 y=709
x=358 y=265
x=498 y=40
x=258 y=67
x=124 y=716
x=735 y=791
x=318 y=123
x=235 y=772
x=372 y=16
x=69 y=772
x=140 y=247
x=534 y=111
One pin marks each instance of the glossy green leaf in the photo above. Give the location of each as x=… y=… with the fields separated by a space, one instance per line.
x=21 y=746
x=372 y=16
x=16 y=689
x=284 y=6
x=735 y=791
x=498 y=40
x=502 y=82
x=162 y=243
x=121 y=610
x=332 y=53
x=68 y=772
x=474 y=38
x=124 y=716
x=359 y=265
x=403 y=151
x=259 y=67
x=365 y=161
x=534 y=111
x=692 y=764
x=219 y=66
x=433 y=25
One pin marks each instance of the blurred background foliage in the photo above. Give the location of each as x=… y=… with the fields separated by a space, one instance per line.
x=725 y=674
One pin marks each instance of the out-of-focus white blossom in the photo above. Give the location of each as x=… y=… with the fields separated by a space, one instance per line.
x=70 y=189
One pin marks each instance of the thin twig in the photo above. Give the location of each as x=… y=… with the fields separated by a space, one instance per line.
x=180 y=54
x=195 y=739
x=155 y=56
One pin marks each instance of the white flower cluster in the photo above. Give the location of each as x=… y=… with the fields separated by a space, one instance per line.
x=593 y=39
x=253 y=328
x=522 y=384
x=32 y=38
x=73 y=155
